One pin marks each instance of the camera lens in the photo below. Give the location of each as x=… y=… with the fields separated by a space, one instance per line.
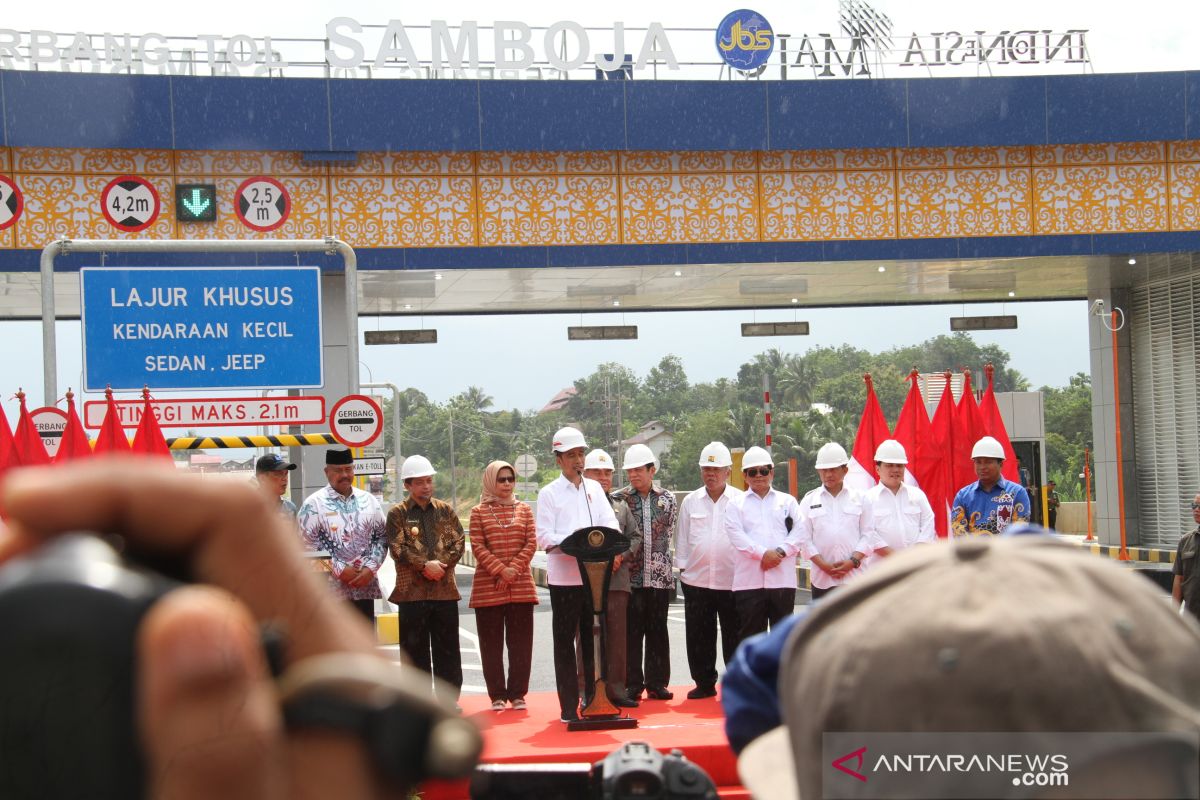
x=638 y=784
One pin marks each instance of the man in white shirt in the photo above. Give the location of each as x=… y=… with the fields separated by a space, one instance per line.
x=566 y=504
x=901 y=512
x=836 y=524
x=762 y=526
x=705 y=559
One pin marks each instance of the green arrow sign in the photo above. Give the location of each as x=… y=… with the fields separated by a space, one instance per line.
x=196 y=202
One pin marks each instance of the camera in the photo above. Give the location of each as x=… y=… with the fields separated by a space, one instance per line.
x=634 y=770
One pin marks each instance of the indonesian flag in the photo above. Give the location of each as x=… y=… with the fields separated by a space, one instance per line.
x=968 y=429
x=993 y=425
x=872 y=429
x=941 y=493
x=75 y=444
x=915 y=433
x=30 y=449
x=148 y=440
x=8 y=447
x=111 y=438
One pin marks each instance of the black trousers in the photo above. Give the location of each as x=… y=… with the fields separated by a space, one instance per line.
x=757 y=609
x=703 y=609
x=429 y=635
x=818 y=593
x=570 y=618
x=366 y=608
x=646 y=621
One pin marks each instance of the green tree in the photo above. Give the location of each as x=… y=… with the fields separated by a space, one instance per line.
x=1068 y=417
x=665 y=393
x=680 y=463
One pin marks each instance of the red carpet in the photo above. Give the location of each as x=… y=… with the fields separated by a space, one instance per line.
x=697 y=727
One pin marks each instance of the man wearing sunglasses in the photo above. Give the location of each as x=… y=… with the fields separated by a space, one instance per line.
x=761 y=525
x=1186 y=587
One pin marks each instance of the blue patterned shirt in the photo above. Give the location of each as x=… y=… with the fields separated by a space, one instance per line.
x=976 y=512
x=352 y=530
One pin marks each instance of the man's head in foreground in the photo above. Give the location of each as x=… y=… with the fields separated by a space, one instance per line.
x=1014 y=635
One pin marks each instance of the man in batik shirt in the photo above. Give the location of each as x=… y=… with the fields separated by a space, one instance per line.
x=348 y=523
x=651 y=577
x=992 y=503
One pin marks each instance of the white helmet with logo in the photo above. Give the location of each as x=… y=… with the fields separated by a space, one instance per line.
x=416 y=467
x=832 y=455
x=891 y=452
x=567 y=439
x=756 y=457
x=988 y=447
x=715 y=454
x=598 y=459
x=638 y=455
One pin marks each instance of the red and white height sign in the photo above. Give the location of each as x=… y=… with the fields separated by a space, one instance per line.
x=218 y=411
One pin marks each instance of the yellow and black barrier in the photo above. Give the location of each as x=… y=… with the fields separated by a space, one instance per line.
x=223 y=442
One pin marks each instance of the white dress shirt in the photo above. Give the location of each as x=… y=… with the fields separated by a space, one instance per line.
x=703 y=552
x=758 y=524
x=902 y=518
x=562 y=509
x=834 y=528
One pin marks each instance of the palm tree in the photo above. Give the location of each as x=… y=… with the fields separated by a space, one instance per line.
x=476 y=399
x=793 y=384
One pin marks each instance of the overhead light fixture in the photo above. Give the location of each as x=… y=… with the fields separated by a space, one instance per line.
x=1012 y=294
x=437 y=276
x=795 y=299
x=678 y=273
x=601 y=332
x=777 y=286
x=1132 y=261
x=882 y=268
x=774 y=329
x=601 y=290
x=995 y=323
x=408 y=306
x=616 y=303
x=402 y=337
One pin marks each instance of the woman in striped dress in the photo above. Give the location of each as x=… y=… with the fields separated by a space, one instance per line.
x=503 y=541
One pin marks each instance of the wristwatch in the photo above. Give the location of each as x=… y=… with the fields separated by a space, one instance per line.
x=855 y=560
x=781 y=551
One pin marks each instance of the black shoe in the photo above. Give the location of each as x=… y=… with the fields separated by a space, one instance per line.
x=659 y=693
x=569 y=716
x=701 y=692
x=624 y=702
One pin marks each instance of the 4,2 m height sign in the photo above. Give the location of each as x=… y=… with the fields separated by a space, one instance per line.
x=130 y=203
x=262 y=203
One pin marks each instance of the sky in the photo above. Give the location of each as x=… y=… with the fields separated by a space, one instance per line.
x=1049 y=346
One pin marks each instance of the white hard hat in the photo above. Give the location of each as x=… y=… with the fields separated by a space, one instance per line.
x=987 y=447
x=638 y=455
x=891 y=452
x=416 y=467
x=598 y=459
x=832 y=455
x=715 y=454
x=567 y=439
x=756 y=457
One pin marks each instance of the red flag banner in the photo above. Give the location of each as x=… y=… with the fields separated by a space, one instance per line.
x=993 y=425
x=111 y=438
x=149 y=439
x=915 y=432
x=30 y=449
x=872 y=429
x=942 y=428
x=75 y=444
x=8 y=447
x=968 y=429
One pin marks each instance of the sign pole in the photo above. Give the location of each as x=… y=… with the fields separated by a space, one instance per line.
x=329 y=245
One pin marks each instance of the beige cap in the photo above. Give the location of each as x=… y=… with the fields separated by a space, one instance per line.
x=1013 y=634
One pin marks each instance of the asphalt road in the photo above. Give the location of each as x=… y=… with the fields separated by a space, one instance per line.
x=541 y=678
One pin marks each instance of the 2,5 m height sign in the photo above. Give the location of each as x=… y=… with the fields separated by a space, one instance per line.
x=204 y=328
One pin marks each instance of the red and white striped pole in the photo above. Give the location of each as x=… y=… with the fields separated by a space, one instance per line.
x=767 y=407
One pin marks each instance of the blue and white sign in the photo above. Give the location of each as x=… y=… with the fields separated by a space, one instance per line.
x=745 y=39
x=204 y=328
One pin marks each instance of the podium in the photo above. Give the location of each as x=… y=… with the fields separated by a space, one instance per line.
x=595 y=548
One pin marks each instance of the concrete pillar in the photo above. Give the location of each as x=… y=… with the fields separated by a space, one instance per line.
x=1104 y=449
